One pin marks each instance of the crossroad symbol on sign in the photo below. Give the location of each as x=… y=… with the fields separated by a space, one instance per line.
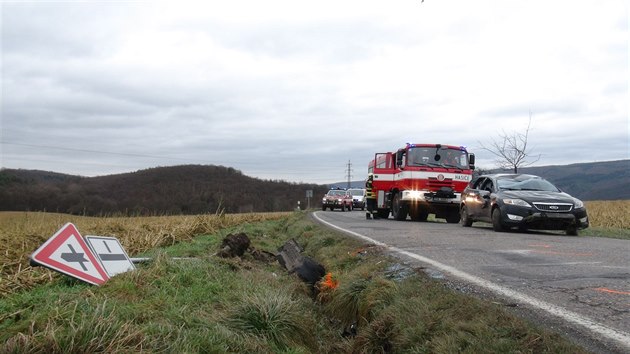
x=73 y=256
x=111 y=253
x=67 y=253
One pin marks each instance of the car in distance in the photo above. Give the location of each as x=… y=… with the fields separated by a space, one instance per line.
x=358 y=198
x=521 y=201
x=337 y=198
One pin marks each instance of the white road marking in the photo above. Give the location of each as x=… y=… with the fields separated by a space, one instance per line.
x=620 y=337
x=545 y=264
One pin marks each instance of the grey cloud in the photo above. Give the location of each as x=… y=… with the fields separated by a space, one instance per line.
x=331 y=41
x=61 y=30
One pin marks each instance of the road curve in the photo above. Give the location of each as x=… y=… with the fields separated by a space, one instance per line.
x=578 y=286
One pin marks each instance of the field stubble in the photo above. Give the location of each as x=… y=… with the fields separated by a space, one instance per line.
x=613 y=214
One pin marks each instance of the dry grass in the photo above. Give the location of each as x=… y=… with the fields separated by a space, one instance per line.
x=21 y=233
x=609 y=213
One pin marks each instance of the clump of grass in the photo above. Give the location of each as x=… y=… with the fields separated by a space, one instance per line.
x=82 y=330
x=359 y=295
x=378 y=336
x=276 y=316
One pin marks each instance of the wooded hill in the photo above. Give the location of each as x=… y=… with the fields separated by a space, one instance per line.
x=608 y=180
x=188 y=189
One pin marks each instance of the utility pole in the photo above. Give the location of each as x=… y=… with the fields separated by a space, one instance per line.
x=348 y=172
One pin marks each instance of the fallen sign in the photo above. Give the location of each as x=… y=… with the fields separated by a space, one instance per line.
x=67 y=252
x=111 y=254
x=92 y=259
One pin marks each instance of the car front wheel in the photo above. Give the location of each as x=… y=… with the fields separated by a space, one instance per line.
x=572 y=231
x=465 y=218
x=497 y=223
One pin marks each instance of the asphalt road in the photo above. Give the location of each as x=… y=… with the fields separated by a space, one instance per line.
x=577 y=286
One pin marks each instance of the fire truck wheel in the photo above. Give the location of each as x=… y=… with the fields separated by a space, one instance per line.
x=417 y=215
x=383 y=213
x=399 y=209
x=453 y=217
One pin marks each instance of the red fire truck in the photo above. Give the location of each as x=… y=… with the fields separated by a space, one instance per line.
x=421 y=179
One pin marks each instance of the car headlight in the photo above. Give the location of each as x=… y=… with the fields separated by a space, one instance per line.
x=517 y=202
x=578 y=203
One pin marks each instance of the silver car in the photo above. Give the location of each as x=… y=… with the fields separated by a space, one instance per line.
x=358 y=197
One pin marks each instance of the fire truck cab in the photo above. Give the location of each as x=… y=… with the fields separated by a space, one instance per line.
x=421 y=179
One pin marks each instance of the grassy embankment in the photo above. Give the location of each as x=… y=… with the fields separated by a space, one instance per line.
x=220 y=305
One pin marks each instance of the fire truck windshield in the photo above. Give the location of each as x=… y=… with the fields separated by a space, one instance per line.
x=444 y=157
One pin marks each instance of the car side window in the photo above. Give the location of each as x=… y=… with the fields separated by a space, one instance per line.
x=487 y=185
x=478 y=183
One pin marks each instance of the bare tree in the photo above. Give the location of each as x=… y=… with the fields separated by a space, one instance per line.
x=511 y=150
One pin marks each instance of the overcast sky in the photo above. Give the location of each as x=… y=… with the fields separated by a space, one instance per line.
x=296 y=90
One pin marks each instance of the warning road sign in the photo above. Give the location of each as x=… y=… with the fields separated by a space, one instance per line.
x=67 y=253
x=111 y=253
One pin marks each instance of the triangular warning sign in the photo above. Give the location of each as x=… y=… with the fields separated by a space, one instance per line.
x=67 y=253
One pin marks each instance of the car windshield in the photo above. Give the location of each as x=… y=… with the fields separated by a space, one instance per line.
x=426 y=156
x=337 y=192
x=525 y=183
x=356 y=191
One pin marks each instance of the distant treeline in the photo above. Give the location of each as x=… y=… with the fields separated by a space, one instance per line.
x=188 y=189
x=606 y=180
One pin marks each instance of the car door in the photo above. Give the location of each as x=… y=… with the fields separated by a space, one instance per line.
x=474 y=202
x=486 y=194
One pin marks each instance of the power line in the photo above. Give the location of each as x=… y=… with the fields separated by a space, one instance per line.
x=348 y=173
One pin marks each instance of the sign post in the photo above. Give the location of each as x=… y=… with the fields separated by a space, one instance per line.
x=309 y=195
